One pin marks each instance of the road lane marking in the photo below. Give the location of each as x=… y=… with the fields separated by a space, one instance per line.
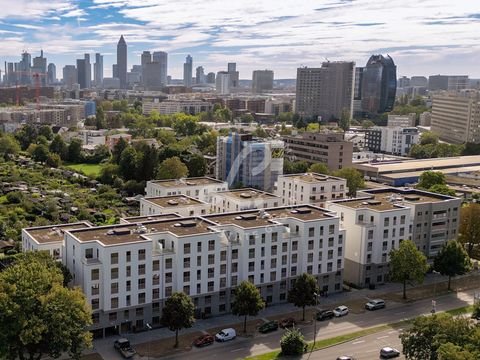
x=382 y=337
x=392 y=332
x=358 y=342
x=237 y=349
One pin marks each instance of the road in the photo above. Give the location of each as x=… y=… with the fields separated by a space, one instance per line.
x=242 y=347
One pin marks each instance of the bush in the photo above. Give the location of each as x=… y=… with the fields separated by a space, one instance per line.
x=14 y=197
x=293 y=343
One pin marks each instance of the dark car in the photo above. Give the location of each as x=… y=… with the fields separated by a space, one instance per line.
x=325 y=315
x=287 y=323
x=268 y=326
x=389 y=352
x=204 y=340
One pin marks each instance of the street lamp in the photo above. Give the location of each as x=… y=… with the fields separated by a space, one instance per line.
x=315 y=319
x=149 y=328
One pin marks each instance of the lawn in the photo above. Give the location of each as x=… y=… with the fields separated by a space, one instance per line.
x=92 y=170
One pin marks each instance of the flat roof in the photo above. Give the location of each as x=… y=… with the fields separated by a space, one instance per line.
x=265 y=217
x=174 y=201
x=375 y=202
x=205 y=180
x=312 y=177
x=54 y=233
x=248 y=194
x=410 y=196
x=137 y=219
x=131 y=233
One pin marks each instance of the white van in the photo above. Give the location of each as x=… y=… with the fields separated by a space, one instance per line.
x=226 y=334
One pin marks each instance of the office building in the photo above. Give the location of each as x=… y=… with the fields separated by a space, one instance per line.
x=111 y=83
x=161 y=58
x=328 y=147
x=98 y=70
x=211 y=78
x=187 y=71
x=234 y=75
x=403 y=82
x=395 y=140
x=200 y=188
x=448 y=82
x=127 y=271
x=243 y=199
x=40 y=69
x=325 y=93
x=168 y=107
x=84 y=69
x=25 y=68
x=402 y=120
x=51 y=74
x=174 y=204
x=146 y=58
x=256 y=163
x=379 y=85
x=425 y=119
x=262 y=81
x=200 y=75
x=223 y=83
x=151 y=75
x=122 y=62
x=357 y=92
x=456 y=117
x=70 y=76
x=420 y=81
x=310 y=188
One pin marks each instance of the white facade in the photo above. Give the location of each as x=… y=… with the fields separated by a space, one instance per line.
x=223 y=83
x=399 y=140
x=200 y=188
x=168 y=107
x=402 y=120
x=178 y=204
x=243 y=199
x=310 y=188
x=93 y=137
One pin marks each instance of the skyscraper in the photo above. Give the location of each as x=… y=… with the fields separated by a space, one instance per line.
x=84 y=69
x=234 y=75
x=262 y=80
x=326 y=91
x=51 y=74
x=25 y=66
x=210 y=78
x=40 y=67
x=200 y=75
x=187 y=71
x=379 y=85
x=70 y=75
x=161 y=58
x=98 y=70
x=222 y=82
x=122 y=62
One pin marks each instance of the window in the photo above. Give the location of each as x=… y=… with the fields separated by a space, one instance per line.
x=330 y=242
x=370 y=234
x=139 y=311
x=274 y=250
x=385 y=234
x=310 y=258
x=251 y=240
x=402 y=220
x=284 y=247
x=95 y=304
x=156 y=265
x=141 y=298
x=186 y=289
x=156 y=279
x=223 y=255
x=95 y=289
x=186 y=248
x=141 y=283
x=168 y=277
x=114 y=288
x=331 y=229
x=114 y=303
x=386 y=221
x=294 y=245
x=141 y=254
x=274 y=236
x=234 y=254
x=294 y=258
x=114 y=273
x=273 y=263
x=211 y=245
x=141 y=269
x=112 y=317
x=186 y=262
x=330 y=255
x=186 y=276
x=114 y=258
x=311 y=232
x=168 y=291
x=223 y=269
x=211 y=273
x=251 y=266
x=168 y=263
x=95 y=274
x=199 y=246
x=251 y=253
x=234 y=267
x=211 y=259
x=310 y=244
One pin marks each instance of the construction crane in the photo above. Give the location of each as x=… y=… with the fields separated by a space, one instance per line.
x=36 y=77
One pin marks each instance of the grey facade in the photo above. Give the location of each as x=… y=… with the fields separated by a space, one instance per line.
x=187 y=71
x=262 y=80
x=122 y=62
x=98 y=70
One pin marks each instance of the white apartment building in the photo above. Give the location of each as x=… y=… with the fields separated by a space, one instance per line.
x=243 y=199
x=127 y=271
x=178 y=204
x=402 y=120
x=374 y=226
x=394 y=140
x=200 y=188
x=141 y=219
x=435 y=217
x=168 y=107
x=49 y=238
x=310 y=188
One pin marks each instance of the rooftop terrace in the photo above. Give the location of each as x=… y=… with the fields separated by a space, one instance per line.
x=187 y=182
x=313 y=177
x=54 y=233
x=247 y=194
x=174 y=201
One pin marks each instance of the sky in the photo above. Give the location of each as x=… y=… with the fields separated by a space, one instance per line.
x=423 y=37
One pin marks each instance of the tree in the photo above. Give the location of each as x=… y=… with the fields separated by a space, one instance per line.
x=354 y=179
x=294 y=167
x=304 y=292
x=452 y=260
x=319 y=168
x=367 y=124
x=293 y=342
x=196 y=164
x=40 y=153
x=59 y=147
x=100 y=122
x=442 y=189
x=344 y=122
x=247 y=302
x=75 y=151
x=172 y=168
x=46 y=131
x=53 y=160
x=428 y=137
x=178 y=313
x=128 y=163
x=407 y=265
x=118 y=149
x=469 y=229
x=38 y=316
x=9 y=146
x=430 y=178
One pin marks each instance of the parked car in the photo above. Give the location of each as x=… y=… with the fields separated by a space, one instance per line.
x=123 y=347
x=268 y=326
x=389 y=352
x=345 y=357
x=325 y=315
x=226 y=334
x=204 y=340
x=375 y=304
x=287 y=323
x=340 y=311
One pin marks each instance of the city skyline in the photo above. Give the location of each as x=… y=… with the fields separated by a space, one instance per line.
x=424 y=39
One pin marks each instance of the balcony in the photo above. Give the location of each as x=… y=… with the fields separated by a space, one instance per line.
x=91 y=261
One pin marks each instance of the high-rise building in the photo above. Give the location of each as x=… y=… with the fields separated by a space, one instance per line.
x=211 y=78
x=84 y=69
x=51 y=73
x=456 y=117
x=262 y=80
x=234 y=75
x=70 y=75
x=223 y=83
x=115 y=71
x=151 y=76
x=146 y=58
x=357 y=92
x=403 y=82
x=25 y=66
x=325 y=92
x=250 y=162
x=161 y=58
x=200 y=75
x=98 y=70
x=379 y=85
x=122 y=62
x=40 y=67
x=187 y=71
x=419 y=81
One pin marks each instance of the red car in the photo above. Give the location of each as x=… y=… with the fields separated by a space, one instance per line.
x=287 y=323
x=204 y=340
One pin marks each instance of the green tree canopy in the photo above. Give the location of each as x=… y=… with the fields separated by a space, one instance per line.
x=319 y=168
x=293 y=342
x=452 y=260
x=38 y=316
x=430 y=178
x=75 y=151
x=469 y=229
x=247 y=301
x=407 y=265
x=172 y=168
x=46 y=131
x=128 y=163
x=367 y=124
x=294 y=167
x=40 y=153
x=442 y=189
x=354 y=179
x=9 y=146
x=58 y=146
x=428 y=137
x=178 y=313
x=302 y=293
